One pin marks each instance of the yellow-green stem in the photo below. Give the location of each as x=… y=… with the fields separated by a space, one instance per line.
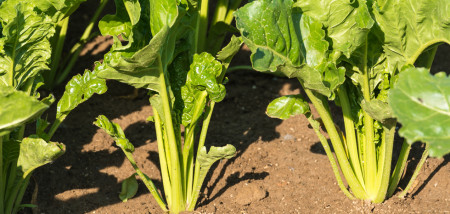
x=321 y=105
x=192 y=199
x=176 y=178
x=162 y=156
x=384 y=163
x=351 y=141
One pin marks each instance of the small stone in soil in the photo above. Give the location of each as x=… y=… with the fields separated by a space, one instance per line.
x=249 y=193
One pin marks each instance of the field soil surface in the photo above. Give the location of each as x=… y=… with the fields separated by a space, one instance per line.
x=280 y=166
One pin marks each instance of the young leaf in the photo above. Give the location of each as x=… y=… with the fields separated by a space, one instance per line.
x=35 y=152
x=421 y=103
x=227 y=53
x=129 y=188
x=287 y=106
x=204 y=74
x=10 y=101
x=207 y=159
x=79 y=89
x=114 y=130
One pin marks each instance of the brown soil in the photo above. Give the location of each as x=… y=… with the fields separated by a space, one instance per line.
x=280 y=166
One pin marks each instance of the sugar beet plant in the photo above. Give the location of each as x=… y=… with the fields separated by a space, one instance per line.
x=166 y=46
x=24 y=55
x=353 y=53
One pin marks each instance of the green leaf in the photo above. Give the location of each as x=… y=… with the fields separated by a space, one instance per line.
x=114 y=130
x=347 y=22
x=207 y=159
x=26 y=50
x=17 y=108
x=129 y=188
x=287 y=106
x=379 y=111
x=164 y=14
x=227 y=53
x=421 y=103
x=204 y=73
x=35 y=152
x=268 y=29
x=79 y=89
x=411 y=26
x=117 y=24
x=282 y=39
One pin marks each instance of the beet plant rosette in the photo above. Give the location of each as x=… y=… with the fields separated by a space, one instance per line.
x=353 y=53
x=166 y=47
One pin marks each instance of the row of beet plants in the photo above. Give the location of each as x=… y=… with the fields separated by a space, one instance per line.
x=371 y=58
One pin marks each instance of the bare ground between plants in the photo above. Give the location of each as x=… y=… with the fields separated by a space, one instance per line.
x=280 y=166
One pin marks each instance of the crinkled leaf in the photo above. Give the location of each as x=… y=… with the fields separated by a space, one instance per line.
x=35 y=152
x=379 y=111
x=347 y=22
x=203 y=75
x=411 y=26
x=114 y=130
x=129 y=188
x=79 y=89
x=26 y=49
x=421 y=103
x=287 y=106
x=17 y=107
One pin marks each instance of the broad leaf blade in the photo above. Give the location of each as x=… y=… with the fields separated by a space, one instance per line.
x=287 y=106
x=421 y=103
x=282 y=39
x=411 y=26
x=12 y=100
x=35 y=152
x=347 y=22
